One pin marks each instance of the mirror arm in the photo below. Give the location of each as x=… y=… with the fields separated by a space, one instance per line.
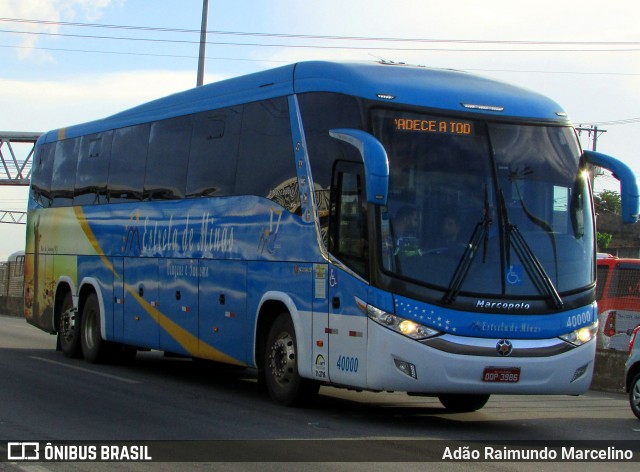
x=628 y=183
x=376 y=163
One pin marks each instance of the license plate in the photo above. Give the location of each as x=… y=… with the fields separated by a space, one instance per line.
x=501 y=374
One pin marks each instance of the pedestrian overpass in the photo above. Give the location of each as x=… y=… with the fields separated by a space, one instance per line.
x=16 y=156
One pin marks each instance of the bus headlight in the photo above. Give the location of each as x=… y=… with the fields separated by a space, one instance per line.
x=581 y=335
x=409 y=328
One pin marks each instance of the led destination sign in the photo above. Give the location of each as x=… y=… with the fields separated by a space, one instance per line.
x=434 y=125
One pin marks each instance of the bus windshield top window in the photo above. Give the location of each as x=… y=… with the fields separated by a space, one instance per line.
x=509 y=201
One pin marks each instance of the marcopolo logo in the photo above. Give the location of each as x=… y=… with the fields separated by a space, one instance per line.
x=488 y=305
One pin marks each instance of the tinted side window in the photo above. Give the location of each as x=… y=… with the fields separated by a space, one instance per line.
x=266 y=165
x=214 y=153
x=166 y=171
x=128 y=160
x=41 y=174
x=322 y=112
x=93 y=169
x=348 y=225
x=63 y=176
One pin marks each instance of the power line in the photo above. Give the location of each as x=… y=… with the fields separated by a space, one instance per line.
x=626 y=121
x=311 y=46
x=305 y=36
x=149 y=54
x=241 y=59
x=323 y=37
x=601 y=44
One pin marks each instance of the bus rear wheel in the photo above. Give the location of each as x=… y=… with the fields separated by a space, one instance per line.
x=283 y=382
x=93 y=346
x=69 y=328
x=462 y=402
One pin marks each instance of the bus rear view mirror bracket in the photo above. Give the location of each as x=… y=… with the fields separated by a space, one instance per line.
x=628 y=185
x=376 y=163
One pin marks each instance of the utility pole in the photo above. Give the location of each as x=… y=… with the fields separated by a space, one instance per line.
x=593 y=133
x=203 y=42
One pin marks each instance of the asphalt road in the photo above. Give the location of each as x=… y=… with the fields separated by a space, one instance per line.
x=47 y=397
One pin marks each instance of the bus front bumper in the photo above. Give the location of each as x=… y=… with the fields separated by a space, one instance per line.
x=457 y=364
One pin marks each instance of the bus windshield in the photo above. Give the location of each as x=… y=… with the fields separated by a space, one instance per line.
x=485 y=208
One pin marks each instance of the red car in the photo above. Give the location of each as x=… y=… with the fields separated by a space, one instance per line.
x=618 y=296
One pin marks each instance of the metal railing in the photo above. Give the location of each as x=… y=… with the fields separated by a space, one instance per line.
x=13 y=217
x=16 y=153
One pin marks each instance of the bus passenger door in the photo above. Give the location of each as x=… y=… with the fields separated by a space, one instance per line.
x=349 y=244
x=347 y=329
x=179 y=303
x=141 y=302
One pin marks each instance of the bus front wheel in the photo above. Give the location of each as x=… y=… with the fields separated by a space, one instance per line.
x=462 y=402
x=283 y=382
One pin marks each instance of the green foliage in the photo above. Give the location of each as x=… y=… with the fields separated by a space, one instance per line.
x=607 y=201
x=603 y=240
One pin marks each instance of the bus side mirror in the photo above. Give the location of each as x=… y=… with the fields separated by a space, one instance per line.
x=376 y=163
x=628 y=185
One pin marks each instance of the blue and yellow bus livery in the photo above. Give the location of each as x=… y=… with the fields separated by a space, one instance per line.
x=365 y=225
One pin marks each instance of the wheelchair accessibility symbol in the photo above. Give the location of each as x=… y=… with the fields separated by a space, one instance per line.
x=514 y=275
x=333 y=278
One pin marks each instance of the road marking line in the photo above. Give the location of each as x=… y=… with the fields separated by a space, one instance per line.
x=82 y=369
x=31 y=467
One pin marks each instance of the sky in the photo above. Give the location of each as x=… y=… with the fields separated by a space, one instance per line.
x=64 y=62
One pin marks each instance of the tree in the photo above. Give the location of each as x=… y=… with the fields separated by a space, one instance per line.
x=607 y=201
x=603 y=240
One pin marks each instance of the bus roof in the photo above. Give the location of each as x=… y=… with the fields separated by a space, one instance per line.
x=394 y=83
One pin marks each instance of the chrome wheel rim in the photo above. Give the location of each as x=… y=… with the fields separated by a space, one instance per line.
x=67 y=324
x=282 y=359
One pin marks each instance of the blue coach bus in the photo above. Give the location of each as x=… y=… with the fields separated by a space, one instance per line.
x=362 y=225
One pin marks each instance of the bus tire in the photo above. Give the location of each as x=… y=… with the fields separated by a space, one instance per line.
x=634 y=395
x=69 y=328
x=462 y=402
x=282 y=380
x=93 y=346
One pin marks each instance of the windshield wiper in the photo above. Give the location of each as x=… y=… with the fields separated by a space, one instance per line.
x=533 y=266
x=480 y=233
x=531 y=263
